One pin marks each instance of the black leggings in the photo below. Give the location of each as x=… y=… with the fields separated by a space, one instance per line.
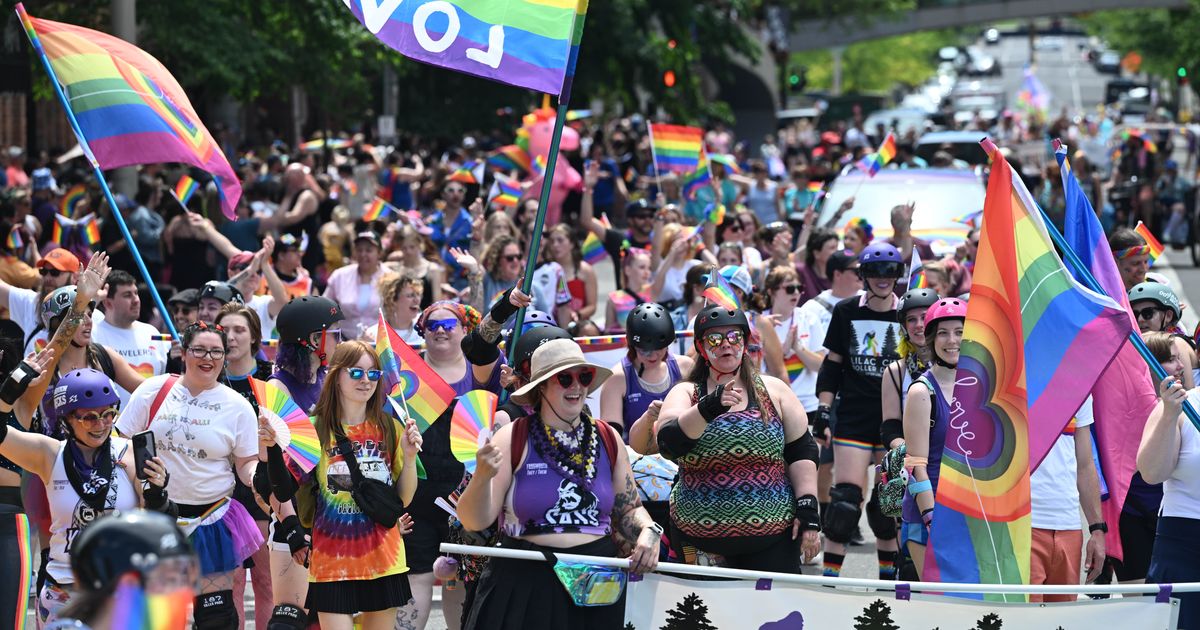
x=16 y=559
x=777 y=554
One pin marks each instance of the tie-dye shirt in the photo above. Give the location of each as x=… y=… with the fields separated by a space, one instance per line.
x=347 y=544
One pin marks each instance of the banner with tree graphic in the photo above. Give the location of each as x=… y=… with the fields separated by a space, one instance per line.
x=665 y=603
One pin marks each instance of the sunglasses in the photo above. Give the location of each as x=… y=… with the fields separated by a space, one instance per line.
x=48 y=271
x=792 y=289
x=1146 y=313
x=97 y=419
x=215 y=354
x=735 y=227
x=585 y=376
x=447 y=325
x=732 y=337
x=357 y=373
x=882 y=270
x=512 y=258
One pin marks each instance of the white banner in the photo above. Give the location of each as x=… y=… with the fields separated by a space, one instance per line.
x=659 y=602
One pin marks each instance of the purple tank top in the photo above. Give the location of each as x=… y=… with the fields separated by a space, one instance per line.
x=637 y=399
x=468 y=382
x=304 y=394
x=546 y=502
x=937 y=442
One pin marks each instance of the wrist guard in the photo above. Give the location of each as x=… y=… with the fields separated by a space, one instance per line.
x=17 y=382
x=710 y=405
x=821 y=425
x=290 y=531
x=503 y=309
x=807 y=513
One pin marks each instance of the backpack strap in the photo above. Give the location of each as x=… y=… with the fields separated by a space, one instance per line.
x=608 y=435
x=166 y=388
x=520 y=435
x=105 y=360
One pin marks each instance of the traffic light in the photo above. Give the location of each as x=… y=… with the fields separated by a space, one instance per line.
x=797 y=79
x=1181 y=77
x=669 y=78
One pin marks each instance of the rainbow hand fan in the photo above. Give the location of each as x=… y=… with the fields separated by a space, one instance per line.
x=471 y=425
x=294 y=431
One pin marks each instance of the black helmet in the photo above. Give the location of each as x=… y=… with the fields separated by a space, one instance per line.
x=915 y=298
x=306 y=315
x=533 y=319
x=649 y=327
x=134 y=541
x=222 y=292
x=529 y=341
x=717 y=316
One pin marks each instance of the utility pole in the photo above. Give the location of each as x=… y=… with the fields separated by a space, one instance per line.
x=124 y=25
x=837 y=69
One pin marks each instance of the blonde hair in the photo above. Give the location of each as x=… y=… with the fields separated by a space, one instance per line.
x=328 y=412
x=392 y=284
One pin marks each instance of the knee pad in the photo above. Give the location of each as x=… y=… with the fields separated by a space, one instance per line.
x=843 y=513
x=288 y=617
x=215 y=611
x=882 y=525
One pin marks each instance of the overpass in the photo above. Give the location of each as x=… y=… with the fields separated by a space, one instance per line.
x=939 y=14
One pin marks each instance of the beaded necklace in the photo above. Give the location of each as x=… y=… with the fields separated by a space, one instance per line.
x=577 y=464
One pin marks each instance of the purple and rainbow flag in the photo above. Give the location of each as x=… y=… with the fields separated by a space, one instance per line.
x=129 y=108
x=1034 y=344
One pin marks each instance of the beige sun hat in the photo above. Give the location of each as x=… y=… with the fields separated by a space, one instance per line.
x=553 y=357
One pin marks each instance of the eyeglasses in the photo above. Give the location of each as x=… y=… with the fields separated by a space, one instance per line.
x=792 y=289
x=1146 y=313
x=447 y=325
x=97 y=419
x=357 y=373
x=512 y=257
x=51 y=272
x=215 y=354
x=585 y=376
x=732 y=337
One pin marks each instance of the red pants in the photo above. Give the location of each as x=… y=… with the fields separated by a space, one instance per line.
x=1055 y=559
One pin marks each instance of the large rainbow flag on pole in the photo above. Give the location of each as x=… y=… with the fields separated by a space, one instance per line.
x=1034 y=344
x=532 y=44
x=408 y=381
x=676 y=149
x=128 y=107
x=1124 y=394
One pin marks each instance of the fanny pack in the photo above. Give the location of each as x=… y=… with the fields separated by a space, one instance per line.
x=376 y=499
x=588 y=584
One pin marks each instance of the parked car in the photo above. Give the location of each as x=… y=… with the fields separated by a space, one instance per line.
x=961 y=145
x=1108 y=62
x=981 y=64
x=991 y=36
x=899 y=120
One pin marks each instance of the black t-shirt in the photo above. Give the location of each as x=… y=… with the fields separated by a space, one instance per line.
x=614 y=242
x=867 y=341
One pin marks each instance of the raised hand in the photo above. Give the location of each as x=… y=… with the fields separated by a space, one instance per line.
x=92 y=279
x=464 y=259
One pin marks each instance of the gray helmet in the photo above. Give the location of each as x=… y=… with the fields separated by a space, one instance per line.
x=58 y=302
x=1159 y=293
x=916 y=298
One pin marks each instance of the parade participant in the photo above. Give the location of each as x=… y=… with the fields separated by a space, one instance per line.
x=57 y=269
x=693 y=297
x=915 y=356
x=306 y=333
x=775 y=241
x=635 y=274
x=742 y=444
x=1168 y=454
x=862 y=342
x=213 y=296
x=1132 y=255
x=821 y=244
x=539 y=329
x=248 y=272
x=400 y=298
x=902 y=236
x=358 y=560
x=451 y=227
x=136 y=554
x=87 y=475
x=1157 y=309
x=677 y=251
x=120 y=331
x=781 y=299
x=647 y=372
x=763 y=196
x=587 y=495
x=562 y=248
x=762 y=344
x=857 y=235
x=733 y=231
x=503 y=266
x=730 y=253
x=354 y=287
x=417 y=261
x=640 y=214
x=205 y=433
x=287 y=260
x=302 y=198
x=926 y=416
x=185 y=307
x=244 y=331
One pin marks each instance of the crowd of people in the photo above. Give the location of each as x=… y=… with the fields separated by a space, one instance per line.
x=772 y=419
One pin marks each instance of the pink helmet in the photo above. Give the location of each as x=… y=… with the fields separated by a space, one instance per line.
x=945 y=308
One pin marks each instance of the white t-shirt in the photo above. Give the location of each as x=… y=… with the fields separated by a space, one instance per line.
x=549 y=288
x=24 y=308
x=673 y=280
x=812 y=322
x=261 y=304
x=1181 y=491
x=1053 y=487
x=197 y=437
x=135 y=344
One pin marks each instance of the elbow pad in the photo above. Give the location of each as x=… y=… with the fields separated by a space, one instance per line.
x=673 y=443
x=829 y=378
x=478 y=351
x=262 y=480
x=891 y=429
x=802 y=448
x=17 y=382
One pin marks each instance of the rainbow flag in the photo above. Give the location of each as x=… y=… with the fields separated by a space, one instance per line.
x=465 y=174
x=916 y=273
x=377 y=210
x=815 y=187
x=508 y=192
x=133 y=609
x=676 y=149
x=721 y=293
x=1156 y=248
x=71 y=199
x=871 y=163
x=509 y=157
x=971 y=218
x=1034 y=344
x=593 y=249
x=185 y=188
x=529 y=44
x=726 y=160
x=715 y=213
x=409 y=382
x=91 y=230
x=539 y=165
x=130 y=110
x=795 y=367
x=694 y=181
x=14 y=240
x=1125 y=394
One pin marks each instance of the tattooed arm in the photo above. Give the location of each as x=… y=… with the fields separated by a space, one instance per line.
x=629 y=518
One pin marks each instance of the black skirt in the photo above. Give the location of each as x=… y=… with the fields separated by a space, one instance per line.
x=355 y=596
x=526 y=594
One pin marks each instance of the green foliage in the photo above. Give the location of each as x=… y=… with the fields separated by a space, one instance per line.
x=878 y=65
x=1165 y=38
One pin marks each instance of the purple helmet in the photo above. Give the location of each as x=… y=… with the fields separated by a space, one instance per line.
x=881 y=260
x=83 y=389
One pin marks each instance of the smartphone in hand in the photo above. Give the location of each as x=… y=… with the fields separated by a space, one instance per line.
x=143 y=451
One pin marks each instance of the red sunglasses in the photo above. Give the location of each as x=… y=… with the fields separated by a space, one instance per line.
x=584 y=375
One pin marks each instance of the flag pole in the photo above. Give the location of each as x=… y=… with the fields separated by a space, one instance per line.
x=654 y=156
x=1081 y=270
x=108 y=196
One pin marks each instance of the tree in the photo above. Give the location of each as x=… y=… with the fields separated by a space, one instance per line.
x=629 y=626
x=689 y=614
x=878 y=65
x=990 y=621
x=1165 y=38
x=876 y=616
x=889 y=342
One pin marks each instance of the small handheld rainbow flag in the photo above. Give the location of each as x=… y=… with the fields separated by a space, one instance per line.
x=71 y=198
x=715 y=213
x=91 y=230
x=465 y=174
x=815 y=186
x=539 y=165
x=676 y=149
x=408 y=380
x=697 y=179
x=508 y=192
x=1156 y=247
x=14 y=240
x=795 y=367
x=916 y=273
x=185 y=188
x=509 y=157
x=593 y=249
x=721 y=293
x=972 y=219
x=873 y=162
x=377 y=210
